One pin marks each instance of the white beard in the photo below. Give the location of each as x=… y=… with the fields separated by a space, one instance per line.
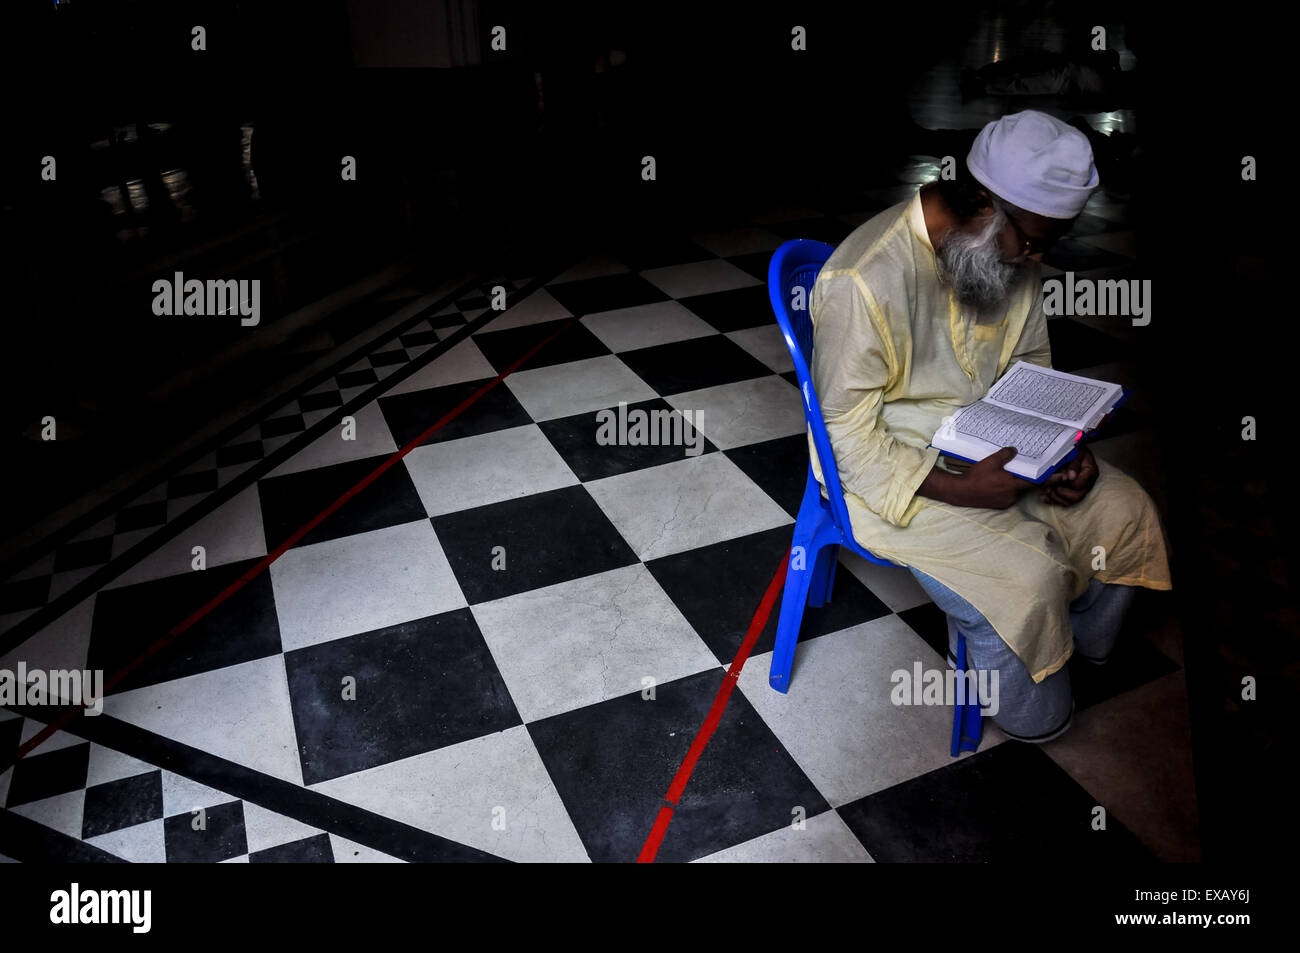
x=972 y=265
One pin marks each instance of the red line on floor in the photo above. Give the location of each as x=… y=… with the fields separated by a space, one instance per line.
x=45 y=733
x=678 y=786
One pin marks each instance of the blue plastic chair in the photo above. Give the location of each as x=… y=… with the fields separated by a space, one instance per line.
x=823 y=525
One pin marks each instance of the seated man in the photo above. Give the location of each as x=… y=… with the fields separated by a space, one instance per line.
x=917 y=313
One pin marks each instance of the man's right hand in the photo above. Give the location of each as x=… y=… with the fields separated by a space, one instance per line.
x=987 y=484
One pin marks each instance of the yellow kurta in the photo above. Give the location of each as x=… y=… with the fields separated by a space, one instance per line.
x=893 y=354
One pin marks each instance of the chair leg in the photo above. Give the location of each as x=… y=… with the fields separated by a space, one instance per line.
x=793 y=599
x=967 y=716
x=823 y=579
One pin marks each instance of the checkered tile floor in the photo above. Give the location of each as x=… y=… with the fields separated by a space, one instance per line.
x=457 y=664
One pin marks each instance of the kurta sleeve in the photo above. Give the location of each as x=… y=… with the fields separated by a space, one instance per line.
x=1033 y=346
x=854 y=359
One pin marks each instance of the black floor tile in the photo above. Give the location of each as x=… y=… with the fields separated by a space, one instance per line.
x=754 y=264
x=141 y=517
x=694 y=364
x=240 y=453
x=309 y=850
x=361 y=378
x=734 y=310
x=779 y=467
x=1009 y=804
x=419 y=336
x=1134 y=661
x=291 y=501
x=576 y=440
x=191 y=483
x=128 y=620
x=40 y=775
x=91 y=552
x=310 y=402
x=11 y=733
x=718 y=589
x=220 y=836
x=607 y=293
x=548 y=538
x=25 y=594
x=572 y=342
x=409 y=415
x=931 y=624
x=745 y=786
x=279 y=426
x=124 y=803
x=420 y=686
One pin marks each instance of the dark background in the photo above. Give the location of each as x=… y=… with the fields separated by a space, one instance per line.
x=456 y=161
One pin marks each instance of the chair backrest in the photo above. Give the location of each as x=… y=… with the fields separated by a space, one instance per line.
x=795 y=266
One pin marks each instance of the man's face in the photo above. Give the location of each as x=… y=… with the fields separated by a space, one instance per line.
x=986 y=258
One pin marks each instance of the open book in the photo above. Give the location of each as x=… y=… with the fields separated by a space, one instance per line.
x=1041 y=412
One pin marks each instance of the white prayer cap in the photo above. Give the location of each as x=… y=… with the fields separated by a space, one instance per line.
x=1035 y=161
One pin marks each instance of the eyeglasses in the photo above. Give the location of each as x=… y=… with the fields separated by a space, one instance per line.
x=1029 y=245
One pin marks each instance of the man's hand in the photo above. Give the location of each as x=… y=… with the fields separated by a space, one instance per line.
x=1072 y=482
x=987 y=484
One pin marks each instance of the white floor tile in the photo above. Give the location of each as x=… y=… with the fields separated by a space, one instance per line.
x=265 y=829
x=537 y=308
x=767 y=344
x=362 y=582
x=371 y=437
x=109 y=765
x=462 y=362
x=455 y=475
x=350 y=852
x=699 y=277
x=240 y=713
x=140 y=844
x=895 y=587
x=577 y=387
x=663 y=322
x=735 y=415
x=63 y=812
x=838 y=721
x=230 y=533
x=824 y=839
x=458 y=791
x=63 y=644
x=588 y=640
x=685 y=505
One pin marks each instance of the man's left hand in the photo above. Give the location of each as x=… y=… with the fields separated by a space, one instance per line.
x=1072 y=482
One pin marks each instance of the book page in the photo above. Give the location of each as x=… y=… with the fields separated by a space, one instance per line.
x=1064 y=397
x=1031 y=436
